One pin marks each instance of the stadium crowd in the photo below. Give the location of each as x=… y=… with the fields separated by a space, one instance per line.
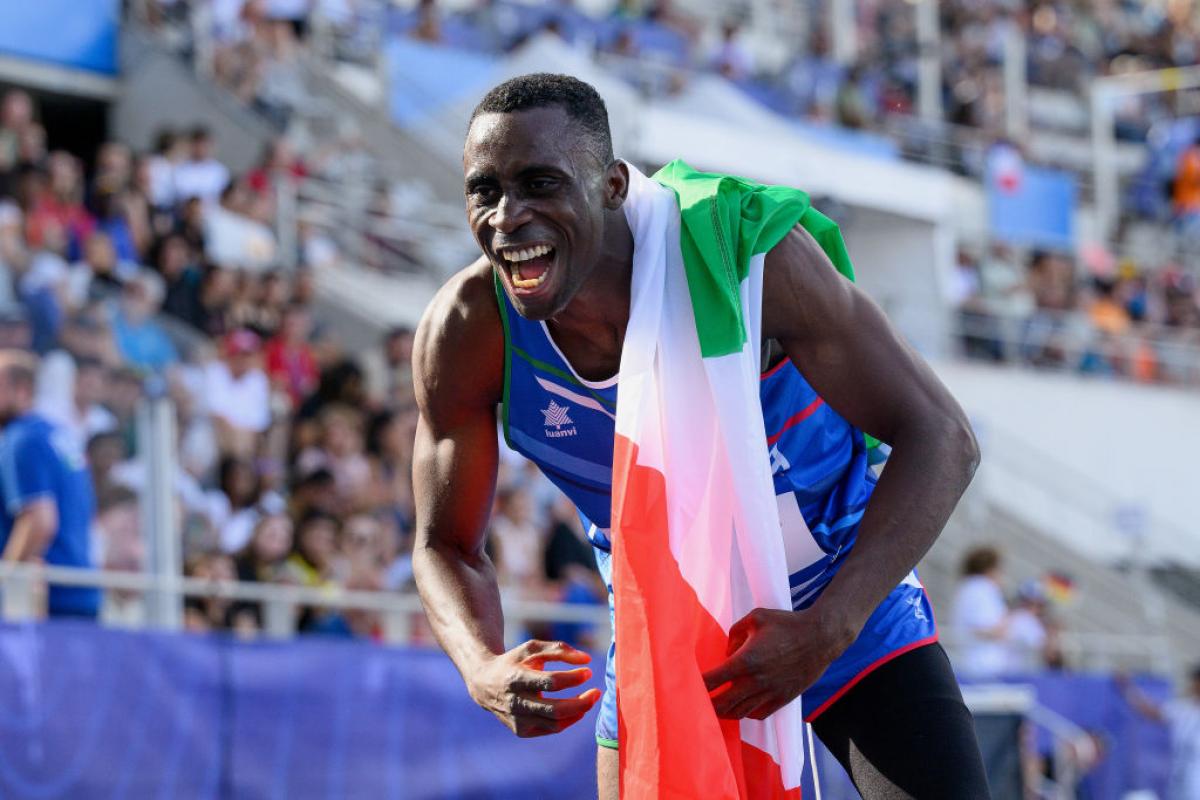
x=160 y=272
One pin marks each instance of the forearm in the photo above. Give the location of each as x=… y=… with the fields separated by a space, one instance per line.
x=27 y=542
x=925 y=476
x=462 y=603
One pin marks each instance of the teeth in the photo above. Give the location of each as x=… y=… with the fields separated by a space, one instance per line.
x=528 y=253
x=530 y=283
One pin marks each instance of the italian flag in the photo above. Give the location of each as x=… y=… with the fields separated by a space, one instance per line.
x=695 y=526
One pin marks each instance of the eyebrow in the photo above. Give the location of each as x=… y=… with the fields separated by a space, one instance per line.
x=475 y=180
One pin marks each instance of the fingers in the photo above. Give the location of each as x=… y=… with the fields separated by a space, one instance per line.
x=730 y=669
x=556 y=708
x=545 y=727
x=736 y=701
x=537 y=653
x=543 y=681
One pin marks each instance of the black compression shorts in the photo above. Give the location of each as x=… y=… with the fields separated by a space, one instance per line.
x=904 y=732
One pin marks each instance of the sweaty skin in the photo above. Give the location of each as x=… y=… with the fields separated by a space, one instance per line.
x=530 y=179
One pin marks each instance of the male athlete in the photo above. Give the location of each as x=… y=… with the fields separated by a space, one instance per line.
x=536 y=326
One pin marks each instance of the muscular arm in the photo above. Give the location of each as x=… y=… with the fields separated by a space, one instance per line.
x=847 y=350
x=458 y=377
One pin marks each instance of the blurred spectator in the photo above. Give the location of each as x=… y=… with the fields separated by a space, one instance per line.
x=104 y=451
x=72 y=396
x=390 y=444
x=1182 y=718
x=1186 y=191
x=172 y=259
x=170 y=149
x=16 y=117
x=46 y=490
x=201 y=175
x=1031 y=639
x=118 y=533
x=518 y=543
x=279 y=163
x=263 y=559
x=341 y=449
x=212 y=612
x=238 y=395
x=100 y=273
x=291 y=365
x=241 y=490
x=140 y=339
x=979 y=615
x=59 y=202
x=731 y=58
x=389 y=369
x=232 y=237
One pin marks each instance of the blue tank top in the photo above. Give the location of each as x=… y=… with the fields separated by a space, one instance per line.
x=565 y=425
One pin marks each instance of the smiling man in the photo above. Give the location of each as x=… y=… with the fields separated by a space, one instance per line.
x=536 y=327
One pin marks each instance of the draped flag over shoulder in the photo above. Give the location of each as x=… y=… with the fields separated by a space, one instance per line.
x=695 y=526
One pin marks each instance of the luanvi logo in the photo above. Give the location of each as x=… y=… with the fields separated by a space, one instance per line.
x=556 y=420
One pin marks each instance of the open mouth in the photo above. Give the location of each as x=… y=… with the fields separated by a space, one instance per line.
x=529 y=266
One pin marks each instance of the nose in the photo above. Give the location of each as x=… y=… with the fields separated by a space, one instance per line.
x=509 y=215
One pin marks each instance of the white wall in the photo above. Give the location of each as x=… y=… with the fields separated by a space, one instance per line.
x=901 y=262
x=1128 y=444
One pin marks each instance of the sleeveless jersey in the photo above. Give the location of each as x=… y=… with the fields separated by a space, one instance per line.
x=565 y=425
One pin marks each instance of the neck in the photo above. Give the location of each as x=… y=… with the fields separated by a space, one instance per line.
x=601 y=307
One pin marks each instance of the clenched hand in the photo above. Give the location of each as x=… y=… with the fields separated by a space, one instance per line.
x=773 y=657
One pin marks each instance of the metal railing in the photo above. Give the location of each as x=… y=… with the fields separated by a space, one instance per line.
x=20 y=587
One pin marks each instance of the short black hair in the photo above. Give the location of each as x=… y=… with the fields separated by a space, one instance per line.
x=580 y=100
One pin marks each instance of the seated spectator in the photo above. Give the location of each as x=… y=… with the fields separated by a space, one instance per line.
x=141 y=341
x=60 y=202
x=211 y=612
x=117 y=531
x=112 y=219
x=312 y=564
x=341 y=450
x=518 y=543
x=1033 y=642
x=237 y=394
x=979 y=616
x=731 y=59
x=201 y=175
x=172 y=259
x=388 y=369
x=263 y=559
x=233 y=238
x=104 y=451
x=170 y=150
x=291 y=365
x=390 y=445
x=72 y=392
x=100 y=273
x=241 y=491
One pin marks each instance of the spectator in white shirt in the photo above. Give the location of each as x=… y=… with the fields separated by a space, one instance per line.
x=232 y=237
x=71 y=393
x=979 y=617
x=1028 y=639
x=238 y=394
x=201 y=175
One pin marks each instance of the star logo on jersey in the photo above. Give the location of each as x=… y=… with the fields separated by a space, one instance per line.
x=556 y=418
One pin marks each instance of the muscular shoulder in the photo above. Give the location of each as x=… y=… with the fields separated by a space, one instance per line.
x=802 y=290
x=458 y=355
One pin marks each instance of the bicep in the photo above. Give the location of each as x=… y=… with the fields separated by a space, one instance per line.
x=454 y=476
x=843 y=344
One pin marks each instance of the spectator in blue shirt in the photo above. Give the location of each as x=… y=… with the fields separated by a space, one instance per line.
x=141 y=341
x=46 y=490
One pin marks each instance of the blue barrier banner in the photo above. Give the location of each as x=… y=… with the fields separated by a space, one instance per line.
x=1029 y=206
x=87 y=712
x=72 y=33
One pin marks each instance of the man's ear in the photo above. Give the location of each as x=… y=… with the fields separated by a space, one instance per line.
x=616 y=184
